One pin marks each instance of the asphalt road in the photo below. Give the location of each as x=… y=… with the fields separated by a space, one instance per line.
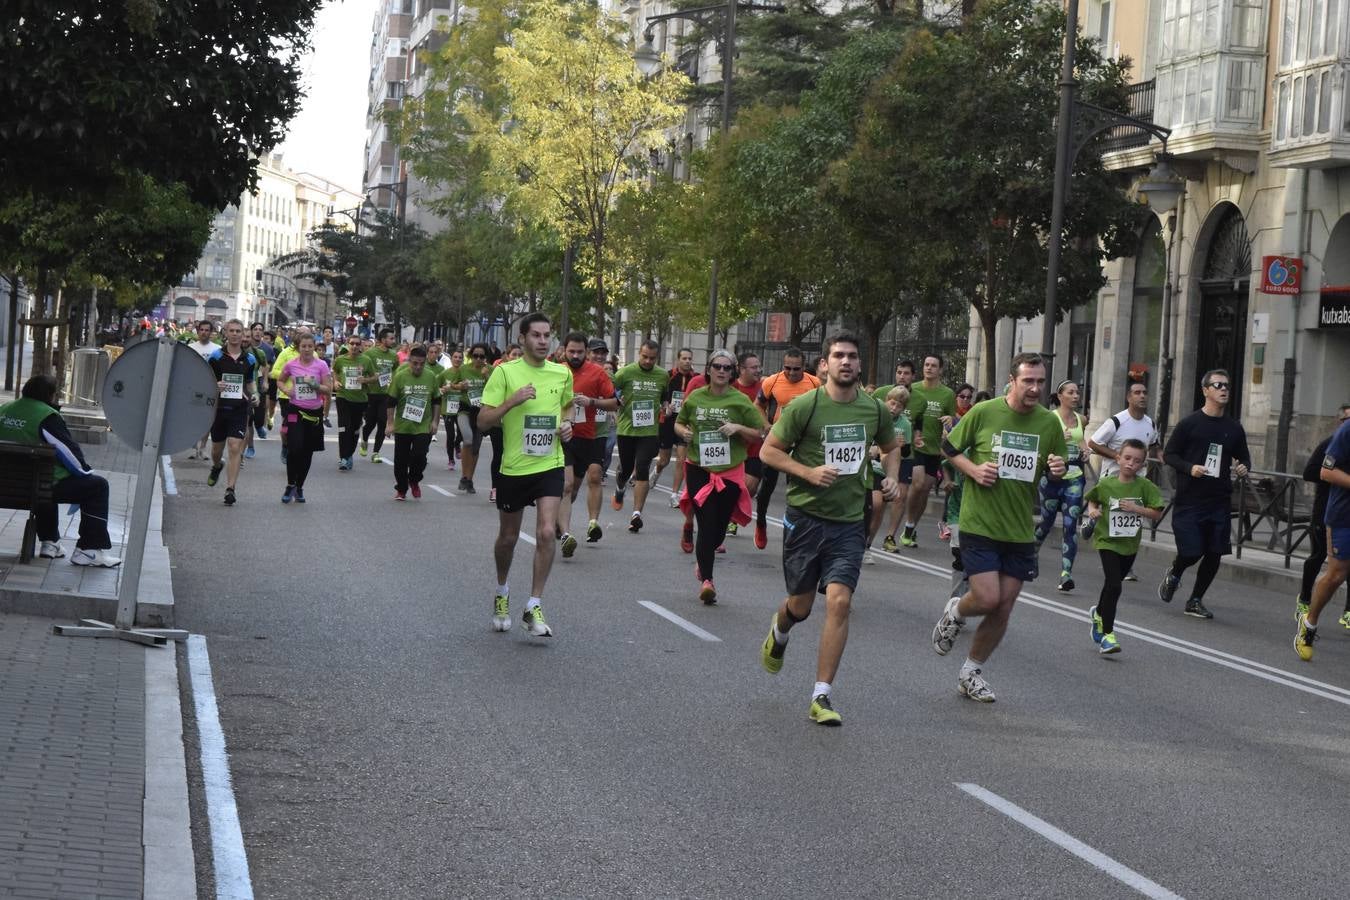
x=385 y=743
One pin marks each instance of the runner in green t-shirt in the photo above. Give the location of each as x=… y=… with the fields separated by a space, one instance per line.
x=468 y=380
x=1123 y=501
x=820 y=442
x=716 y=423
x=896 y=399
x=450 y=407
x=352 y=373
x=384 y=358
x=640 y=387
x=414 y=395
x=932 y=407
x=1001 y=446
x=531 y=399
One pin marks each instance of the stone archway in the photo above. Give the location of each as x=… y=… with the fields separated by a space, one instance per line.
x=1225 y=287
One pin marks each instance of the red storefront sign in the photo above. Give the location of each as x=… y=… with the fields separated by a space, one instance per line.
x=1281 y=274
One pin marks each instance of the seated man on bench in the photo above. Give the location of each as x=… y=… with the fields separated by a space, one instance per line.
x=33 y=419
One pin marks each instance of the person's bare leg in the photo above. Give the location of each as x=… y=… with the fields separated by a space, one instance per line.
x=640 y=491
x=678 y=479
x=593 y=492
x=834 y=634
x=236 y=447
x=468 y=460
x=995 y=622
x=508 y=532
x=570 y=486
x=546 y=520
x=898 y=507
x=917 y=500
x=1326 y=587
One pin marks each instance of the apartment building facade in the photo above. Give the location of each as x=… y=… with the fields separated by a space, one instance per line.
x=1251 y=273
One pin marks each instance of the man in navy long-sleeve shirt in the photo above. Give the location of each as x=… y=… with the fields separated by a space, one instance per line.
x=1207 y=449
x=34 y=419
x=1335 y=472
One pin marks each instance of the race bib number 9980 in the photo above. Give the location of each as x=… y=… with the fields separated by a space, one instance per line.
x=643 y=413
x=1018 y=455
x=845 y=447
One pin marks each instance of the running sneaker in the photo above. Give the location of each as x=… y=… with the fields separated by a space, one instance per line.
x=1168 y=586
x=262 y=433
x=707 y=593
x=533 y=621
x=299 y=495
x=1130 y=576
x=1197 y=609
x=822 y=713
x=761 y=535
x=944 y=532
x=229 y=496
x=51 y=550
x=1303 y=639
x=1065 y=581
x=1300 y=608
x=501 y=613
x=617 y=501
x=400 y=495
x=283 y=453
x=687 y=537
x=99 y=558
x=910 y=537
x=216 y=469
x=1109 y=644
x=569 y=545
x=674 y=501
x=889 y=544
x=375 y=457
x=868 y=559
x=289 y=495
x=1345 y=619
x=249 y=453
x=327 y=422
x=1096 y=626
x=451 y=466
x=947 y=628
x=593 y=531
x=733 y=529
x=635 y=523
x=416 y=491
x=771 y=654
x=972 y=684
x=364 y=448
x=492 y=495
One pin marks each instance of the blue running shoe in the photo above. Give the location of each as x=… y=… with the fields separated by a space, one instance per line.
x=249 y=453
x=289 y=495
x=1096 y=625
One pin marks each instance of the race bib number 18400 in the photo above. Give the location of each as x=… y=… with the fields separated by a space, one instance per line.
x=1018 y=455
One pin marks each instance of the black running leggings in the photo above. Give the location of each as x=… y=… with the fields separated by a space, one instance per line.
x=635 y=458
x=377 y=412
x=1114 y=567
x=713 y=516
x=1204 y=576
x=299 y=452
x=350 y=413
x=767 y=482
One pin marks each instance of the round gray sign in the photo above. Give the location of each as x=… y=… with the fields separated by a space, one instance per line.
x=189 y=408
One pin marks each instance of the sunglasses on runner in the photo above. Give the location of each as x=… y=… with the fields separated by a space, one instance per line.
x=1219 y=385
x=721 y=367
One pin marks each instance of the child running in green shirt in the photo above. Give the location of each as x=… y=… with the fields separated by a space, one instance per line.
x=1126 y=500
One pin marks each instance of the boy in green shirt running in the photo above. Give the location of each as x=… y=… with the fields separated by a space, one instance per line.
x=1125 y=499
x=384 y=357
x=414 y=395
x=352 y=373
x=1001 y=446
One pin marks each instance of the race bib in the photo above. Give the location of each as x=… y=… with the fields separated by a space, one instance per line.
x=352 y=380
x=414 y=409
x=1121 y=524
x=676 y=401
x=643 y=413
x=845 y=447
x=537 y=435
x=234 y=387
x=714 y=449
x=601 y=416
x=1018 y=455
x=451 y=406
x=1214 y=460
x=385 y=378
x=475 y=397
x=305 y=389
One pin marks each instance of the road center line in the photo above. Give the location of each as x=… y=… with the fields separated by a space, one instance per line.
x=440 y=490
x=682 y=622
x=227 y=839
x=1100 y=860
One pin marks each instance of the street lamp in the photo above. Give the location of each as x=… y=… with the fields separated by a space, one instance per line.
x=650 y=62
x=1161 y=187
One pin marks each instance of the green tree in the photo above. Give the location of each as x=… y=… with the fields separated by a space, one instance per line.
x=954 y=160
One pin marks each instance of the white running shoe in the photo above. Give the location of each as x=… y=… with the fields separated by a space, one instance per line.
x=51 y=550
x=501 y=613
x=972 y=684
x=947 y=628
x=868 y=558
x=675 y=501
x=532 y=620
x=100 y=558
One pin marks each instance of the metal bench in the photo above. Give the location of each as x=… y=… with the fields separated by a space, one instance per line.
x=26 y=483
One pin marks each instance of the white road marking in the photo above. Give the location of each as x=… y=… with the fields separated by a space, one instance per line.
x=386 y=461
x=1199 y=651
x=528 y=538
x=1122 y=873
x=440 y=490
x=170 y=485
x=683 y=623
x=227 y=840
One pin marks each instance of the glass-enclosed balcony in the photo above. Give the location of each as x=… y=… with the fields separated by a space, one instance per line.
x=1311 y=127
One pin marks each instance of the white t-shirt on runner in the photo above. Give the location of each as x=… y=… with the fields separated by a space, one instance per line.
x=1113 y=436
x=205 y=350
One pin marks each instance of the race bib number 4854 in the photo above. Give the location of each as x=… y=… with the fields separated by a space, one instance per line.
x=1018 y=455
x=845 y=447
x=714 y=449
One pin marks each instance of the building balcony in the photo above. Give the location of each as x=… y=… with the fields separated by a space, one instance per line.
x=433 y=14
x=1213 y=102
x=1125 y=146
x=1312 y=123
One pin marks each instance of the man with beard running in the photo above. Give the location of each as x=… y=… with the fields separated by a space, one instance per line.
x=640 y=387
x=775 y=393
x=592 y=402
x=820 y=441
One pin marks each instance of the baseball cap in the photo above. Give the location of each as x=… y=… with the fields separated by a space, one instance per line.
x=597 y=344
